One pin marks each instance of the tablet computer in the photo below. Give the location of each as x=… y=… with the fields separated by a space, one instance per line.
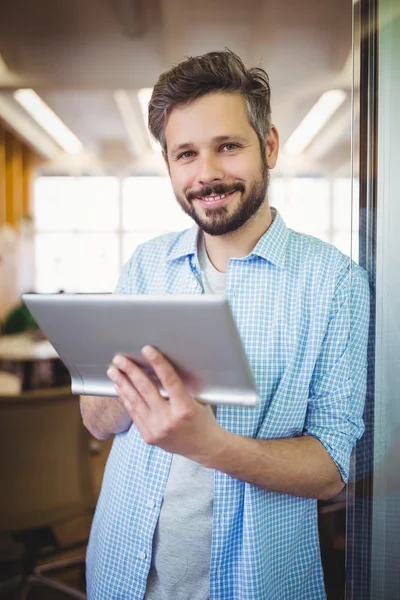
x=196 y=333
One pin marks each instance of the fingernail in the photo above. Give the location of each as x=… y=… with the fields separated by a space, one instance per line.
x=112 y=373
x=149 y=352
x=119 y=361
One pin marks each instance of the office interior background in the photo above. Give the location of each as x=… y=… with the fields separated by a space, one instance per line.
x=82 y=183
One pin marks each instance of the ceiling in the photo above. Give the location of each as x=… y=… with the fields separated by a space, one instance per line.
x=77 y=53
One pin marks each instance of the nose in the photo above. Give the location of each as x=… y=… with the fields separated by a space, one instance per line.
x=210 y=170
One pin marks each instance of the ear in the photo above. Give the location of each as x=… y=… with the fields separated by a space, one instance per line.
x=165 y=157
x=272 y=147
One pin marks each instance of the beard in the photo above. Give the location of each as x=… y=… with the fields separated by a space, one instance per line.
x=218 y=221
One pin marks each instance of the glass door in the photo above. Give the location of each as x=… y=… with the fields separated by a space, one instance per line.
x=373 y=528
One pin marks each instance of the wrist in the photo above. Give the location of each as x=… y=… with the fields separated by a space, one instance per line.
x=217 y=448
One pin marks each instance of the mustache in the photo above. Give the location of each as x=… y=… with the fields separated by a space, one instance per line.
x=217 y=190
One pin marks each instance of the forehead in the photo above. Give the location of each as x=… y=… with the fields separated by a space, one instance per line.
x=212 y=115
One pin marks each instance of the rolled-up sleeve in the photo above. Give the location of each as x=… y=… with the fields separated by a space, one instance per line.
x=338 y=385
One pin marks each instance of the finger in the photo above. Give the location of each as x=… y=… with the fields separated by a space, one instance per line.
x=126 y=391
x=168 y=376
x=140 y=381
x=142 y=426
x=134 y=404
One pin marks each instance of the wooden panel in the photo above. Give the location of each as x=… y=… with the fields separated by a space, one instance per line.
x=14 y=180
x=2 y=176
x=17 y=163
x=27 y=175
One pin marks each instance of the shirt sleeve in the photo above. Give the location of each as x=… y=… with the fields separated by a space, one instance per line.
x=338 y=385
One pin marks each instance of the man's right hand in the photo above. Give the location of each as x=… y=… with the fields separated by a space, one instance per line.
x=103 y=416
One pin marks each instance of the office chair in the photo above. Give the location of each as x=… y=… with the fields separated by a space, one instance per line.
x=46 y=479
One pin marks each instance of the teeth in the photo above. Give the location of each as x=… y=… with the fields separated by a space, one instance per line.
x=213 y=198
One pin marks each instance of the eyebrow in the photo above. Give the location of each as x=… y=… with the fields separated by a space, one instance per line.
x=219 y=139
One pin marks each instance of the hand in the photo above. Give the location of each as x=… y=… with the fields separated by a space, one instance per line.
x=181 y=424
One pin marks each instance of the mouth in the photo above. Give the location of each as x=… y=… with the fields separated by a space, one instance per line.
x=215 y=200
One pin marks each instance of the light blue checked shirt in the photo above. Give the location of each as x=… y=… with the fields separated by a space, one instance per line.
x=302 y=311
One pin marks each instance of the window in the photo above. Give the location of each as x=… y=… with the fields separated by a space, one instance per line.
x=149 y=208
x=319 y=207
x=88 y=227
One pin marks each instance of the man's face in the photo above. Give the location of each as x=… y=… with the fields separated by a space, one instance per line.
x=218 y=171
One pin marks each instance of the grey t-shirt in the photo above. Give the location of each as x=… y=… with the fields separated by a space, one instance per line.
x=180 y=568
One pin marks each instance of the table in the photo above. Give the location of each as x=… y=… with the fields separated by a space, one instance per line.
x=10 y=384
x=23 y=347
x=36 y=361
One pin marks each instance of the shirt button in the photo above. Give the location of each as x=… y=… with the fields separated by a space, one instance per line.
x=150 y=504
x=142 y=555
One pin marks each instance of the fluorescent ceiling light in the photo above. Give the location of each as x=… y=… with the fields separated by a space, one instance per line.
x=48 y=120
x=314 y=121
x=144 y=96
x=132 y=122
x=27 y=129
x=7 y=77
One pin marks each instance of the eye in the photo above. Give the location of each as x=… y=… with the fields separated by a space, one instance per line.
x=186 y=155
x=230 y=147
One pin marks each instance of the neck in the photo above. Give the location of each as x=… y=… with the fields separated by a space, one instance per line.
x=239 y=243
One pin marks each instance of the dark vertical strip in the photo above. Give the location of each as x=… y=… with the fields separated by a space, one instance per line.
x=359 y=524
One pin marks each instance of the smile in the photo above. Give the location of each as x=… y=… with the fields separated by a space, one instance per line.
x=215 y=200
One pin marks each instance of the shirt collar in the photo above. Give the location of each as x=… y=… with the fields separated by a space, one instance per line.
x=185 y=245
x=271 y=247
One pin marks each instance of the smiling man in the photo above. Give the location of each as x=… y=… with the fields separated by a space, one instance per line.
x=219 y=180
x=197 y=505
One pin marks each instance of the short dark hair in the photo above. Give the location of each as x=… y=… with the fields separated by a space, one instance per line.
x=212 y=72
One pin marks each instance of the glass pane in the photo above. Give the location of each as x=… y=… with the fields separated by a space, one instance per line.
x=341 y=208
x=341 y=214
x=345 y=216
x=385 y=581
x=54 y=203
x=97 y=269
x=355 y=234
x=77 y=204
x=342 y=241
x=304 y=205
x=308 y=206
x=55 y=258
x=373 y=543
x=76 y=262
x=277 y=193
x=97 y=204
x=149 y=204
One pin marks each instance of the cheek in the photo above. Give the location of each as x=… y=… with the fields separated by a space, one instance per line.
x=241 y=167
x=182 y=180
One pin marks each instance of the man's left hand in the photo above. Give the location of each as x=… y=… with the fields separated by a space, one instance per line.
x=179 y=424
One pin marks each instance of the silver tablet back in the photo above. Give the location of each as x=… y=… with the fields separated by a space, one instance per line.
x=197 y=333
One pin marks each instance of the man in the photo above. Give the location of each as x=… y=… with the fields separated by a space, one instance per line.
x=196 y=505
